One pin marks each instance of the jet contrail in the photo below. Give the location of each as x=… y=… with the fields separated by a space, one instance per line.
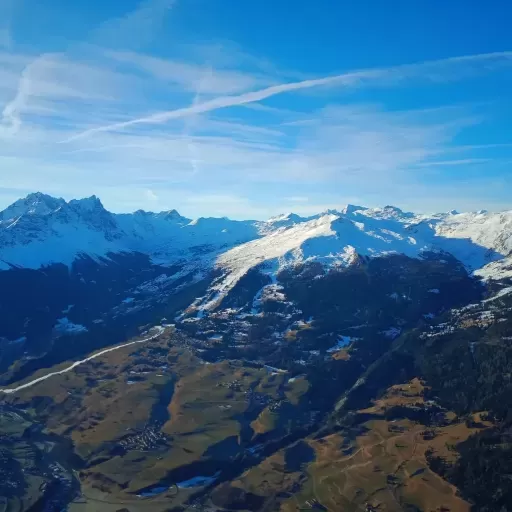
x=227 y=101
x=347 y=79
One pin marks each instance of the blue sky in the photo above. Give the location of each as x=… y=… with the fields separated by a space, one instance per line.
x=253 y=108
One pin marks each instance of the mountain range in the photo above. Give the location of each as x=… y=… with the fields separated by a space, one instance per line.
x=366 y=350
x=93 y=267
x=40 y=230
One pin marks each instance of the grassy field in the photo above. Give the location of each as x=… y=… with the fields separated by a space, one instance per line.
x=208 y=416
x=385 y=464
x=111 y=400
x=381 y=463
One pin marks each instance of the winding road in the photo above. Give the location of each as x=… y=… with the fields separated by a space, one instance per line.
x=31 y=383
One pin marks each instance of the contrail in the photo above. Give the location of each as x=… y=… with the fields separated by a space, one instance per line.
x=11 y=115
x=429 y=68
x=217 y=103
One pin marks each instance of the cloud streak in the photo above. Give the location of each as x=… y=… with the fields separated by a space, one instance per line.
x=188 y=75
x=136 y=28
x=11 y=115
x=429 y=70
x=54 y=87
x=155 y=129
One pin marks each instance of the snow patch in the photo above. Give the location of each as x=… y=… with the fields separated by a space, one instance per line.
x=153 y=492
x=343 y=341
x=65 y=326
x=501 y=293
x=496 y=271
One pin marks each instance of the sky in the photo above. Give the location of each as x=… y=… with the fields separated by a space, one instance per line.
x=249 y=109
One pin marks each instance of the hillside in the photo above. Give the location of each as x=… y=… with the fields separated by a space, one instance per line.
x=357 y=359
x=75 y=269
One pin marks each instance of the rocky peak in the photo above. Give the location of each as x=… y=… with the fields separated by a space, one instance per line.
x=285 y=219
x=33 y=204
x=173 y=215
x=91 y=212
x=351 y=208
x=87 y=204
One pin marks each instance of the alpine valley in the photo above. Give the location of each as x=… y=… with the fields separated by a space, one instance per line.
x=355 y=360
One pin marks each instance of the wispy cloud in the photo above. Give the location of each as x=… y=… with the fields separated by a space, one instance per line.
x=340 y=147
x=11 y=120
x=297 y=199
x=189 y=124
x=12 y=112
x=151 y=195
x=49 y=79
x=462 y=161
x=51 y=84
x=446 y=69
x=190 y=76
x=158 y=131
x=136 y=28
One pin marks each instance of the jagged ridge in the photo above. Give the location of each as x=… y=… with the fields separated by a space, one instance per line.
x=41 y=229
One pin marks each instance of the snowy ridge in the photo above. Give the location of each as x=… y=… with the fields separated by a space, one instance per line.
x=275 y=245
x=40 y=229
x=38 y=204
x=336 y=238
x=493 y=231
x=501 y=269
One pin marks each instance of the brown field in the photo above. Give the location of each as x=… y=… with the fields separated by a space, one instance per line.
x=380 y=463
x=105 y=400
x=341 y=355
x=383 y=466
x=265 y=422
x=386 y=466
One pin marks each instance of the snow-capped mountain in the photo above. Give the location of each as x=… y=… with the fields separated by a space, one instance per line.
x=72 y=268
x=40 y=230
x=353 y=300
x=33 y=204
x=337 y=238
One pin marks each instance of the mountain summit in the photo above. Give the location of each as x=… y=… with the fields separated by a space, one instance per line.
x=40 y=230
x=34 y=204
